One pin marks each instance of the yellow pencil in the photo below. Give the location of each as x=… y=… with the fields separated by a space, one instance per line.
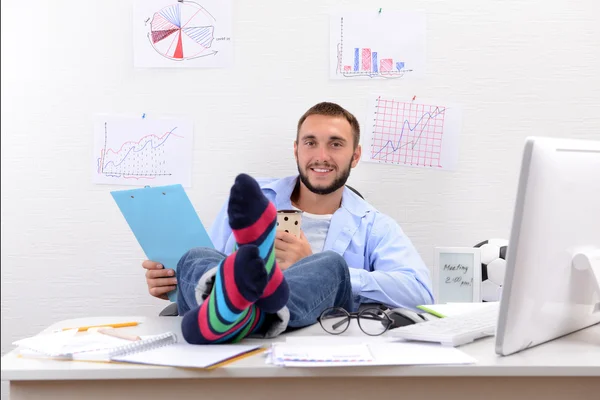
x=115 y=325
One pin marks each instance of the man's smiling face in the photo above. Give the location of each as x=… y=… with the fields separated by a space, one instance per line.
x=325 y=153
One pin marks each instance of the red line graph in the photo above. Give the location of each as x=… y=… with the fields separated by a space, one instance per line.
x=134 y=159
x=143 y=139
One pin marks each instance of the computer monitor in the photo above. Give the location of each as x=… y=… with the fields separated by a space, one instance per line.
x=556 y=221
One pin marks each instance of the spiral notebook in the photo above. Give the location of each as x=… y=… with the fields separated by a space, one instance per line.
x=162 y=349
x=164 y=222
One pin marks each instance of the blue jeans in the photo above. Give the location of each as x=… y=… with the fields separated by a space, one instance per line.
x=316 y=282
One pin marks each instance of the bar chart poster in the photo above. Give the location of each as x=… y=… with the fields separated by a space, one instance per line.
x=139 y=151
x=371 y=45
x=412 y=133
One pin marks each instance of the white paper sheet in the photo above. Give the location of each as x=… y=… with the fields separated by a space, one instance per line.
x=64 y=343
x=421 y=133
x=140 y=151
x=368 y=353
x=182 y=34
x=366 y=45
x=291 y=355
x=406 y=353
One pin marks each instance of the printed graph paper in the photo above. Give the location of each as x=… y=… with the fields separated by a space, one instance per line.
x=412 y=133
x=140 y=151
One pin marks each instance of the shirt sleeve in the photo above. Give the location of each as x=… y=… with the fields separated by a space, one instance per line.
x=220 y=231
x=398 y=277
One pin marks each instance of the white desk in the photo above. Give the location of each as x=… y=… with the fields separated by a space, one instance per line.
x=568 y=368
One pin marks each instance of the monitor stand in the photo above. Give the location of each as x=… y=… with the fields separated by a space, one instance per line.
x=589 y=260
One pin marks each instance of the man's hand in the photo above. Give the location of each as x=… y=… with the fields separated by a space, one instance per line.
x=160 y=281
x=290 y=249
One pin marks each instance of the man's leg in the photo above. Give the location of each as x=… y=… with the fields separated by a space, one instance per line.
x=253 y=219
x=228 y=312
x=191 y=267
x=317 y=282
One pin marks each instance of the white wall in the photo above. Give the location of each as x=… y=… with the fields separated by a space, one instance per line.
x=517 y=67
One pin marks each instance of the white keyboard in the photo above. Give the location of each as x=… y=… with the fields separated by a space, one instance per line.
x=453 y=331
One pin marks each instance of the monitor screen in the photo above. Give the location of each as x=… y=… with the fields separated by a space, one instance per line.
x=556 y=220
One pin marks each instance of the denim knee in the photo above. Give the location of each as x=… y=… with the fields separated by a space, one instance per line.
x=198 y=253
x=336 y=265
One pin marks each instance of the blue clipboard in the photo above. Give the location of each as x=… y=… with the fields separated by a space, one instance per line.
x=164 y=223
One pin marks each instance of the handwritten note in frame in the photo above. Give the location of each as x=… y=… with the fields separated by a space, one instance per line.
x=457 y=274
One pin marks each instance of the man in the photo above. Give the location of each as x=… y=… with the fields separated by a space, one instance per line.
x=347 y=254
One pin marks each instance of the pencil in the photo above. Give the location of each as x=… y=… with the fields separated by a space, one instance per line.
x=115 y=325
x=117 y=334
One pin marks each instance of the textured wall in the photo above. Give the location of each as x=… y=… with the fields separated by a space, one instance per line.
x=517 y=67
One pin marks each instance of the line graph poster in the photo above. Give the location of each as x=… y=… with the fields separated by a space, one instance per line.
x=182 y=34
x=386 y=45
x=416 y=134
x=142 y=151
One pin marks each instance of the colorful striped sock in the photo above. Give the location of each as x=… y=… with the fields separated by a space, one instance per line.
x=253 y=219
x=229 y=314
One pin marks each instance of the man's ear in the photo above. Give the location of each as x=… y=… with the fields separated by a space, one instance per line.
x=296 y=150
x=356 y=156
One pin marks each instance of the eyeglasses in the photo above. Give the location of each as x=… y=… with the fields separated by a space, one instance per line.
x=372 y=321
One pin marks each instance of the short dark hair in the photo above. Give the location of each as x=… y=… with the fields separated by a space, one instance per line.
x=332 y=110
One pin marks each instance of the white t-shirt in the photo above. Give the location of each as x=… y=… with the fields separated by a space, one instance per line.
x=315 y=228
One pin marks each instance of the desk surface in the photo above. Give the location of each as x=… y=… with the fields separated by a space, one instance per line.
x=577 y=354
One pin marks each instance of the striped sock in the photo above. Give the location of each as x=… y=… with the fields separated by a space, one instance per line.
x=229 y=314
x=253 y=219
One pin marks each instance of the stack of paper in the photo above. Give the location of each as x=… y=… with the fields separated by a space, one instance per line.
x=298 y=353
x=63 y=344
x=161 y=349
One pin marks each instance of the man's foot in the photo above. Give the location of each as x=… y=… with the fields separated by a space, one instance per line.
x=229 y=314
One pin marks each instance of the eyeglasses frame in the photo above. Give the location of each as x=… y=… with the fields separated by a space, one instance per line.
x=356 y=315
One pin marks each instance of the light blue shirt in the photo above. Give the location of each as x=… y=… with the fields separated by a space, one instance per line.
x=384 y=265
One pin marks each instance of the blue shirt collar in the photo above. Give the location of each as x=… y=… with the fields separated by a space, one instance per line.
x=284 y=187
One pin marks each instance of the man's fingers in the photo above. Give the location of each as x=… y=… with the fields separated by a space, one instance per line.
x=285 y=237
x=161 y=291
x=159 y=273
x=160 y=282
x=147 y=264
x=284 y=265
x=279 y=244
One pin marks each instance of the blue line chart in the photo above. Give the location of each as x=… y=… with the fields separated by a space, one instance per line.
x=406 y=124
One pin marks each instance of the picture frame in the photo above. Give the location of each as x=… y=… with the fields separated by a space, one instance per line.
x=457 y=275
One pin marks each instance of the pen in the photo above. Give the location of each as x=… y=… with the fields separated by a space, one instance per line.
x=115 y=325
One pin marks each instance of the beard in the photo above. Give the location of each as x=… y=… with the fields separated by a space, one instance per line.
x=339 y=181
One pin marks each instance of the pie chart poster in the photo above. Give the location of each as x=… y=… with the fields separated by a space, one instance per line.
x=182 y=34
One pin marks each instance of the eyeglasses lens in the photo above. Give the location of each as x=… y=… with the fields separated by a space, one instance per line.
x=335 y=320
x=373 y=321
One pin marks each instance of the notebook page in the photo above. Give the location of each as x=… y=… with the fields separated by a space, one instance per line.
x=187 y=355
x=127 y=347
